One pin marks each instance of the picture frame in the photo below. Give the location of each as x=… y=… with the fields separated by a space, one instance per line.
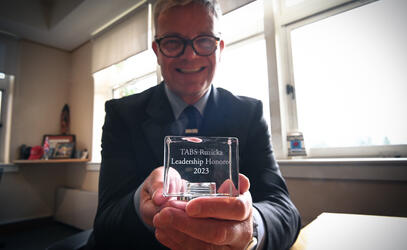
x=53 y=141
x=63 y=150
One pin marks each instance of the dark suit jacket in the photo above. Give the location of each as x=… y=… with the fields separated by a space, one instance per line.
x=132 y=146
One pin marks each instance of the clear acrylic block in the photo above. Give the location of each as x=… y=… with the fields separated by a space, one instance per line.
x=201 y=166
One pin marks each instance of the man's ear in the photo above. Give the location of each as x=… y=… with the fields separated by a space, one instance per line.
x=221 y=47
x=155 y=48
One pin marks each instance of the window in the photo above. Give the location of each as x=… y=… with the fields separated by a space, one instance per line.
x=243 y=71
x=135 y=86
x=243 y=66
x=6 y=100
x=130 y=76
x=2 y=77
x=349 y=75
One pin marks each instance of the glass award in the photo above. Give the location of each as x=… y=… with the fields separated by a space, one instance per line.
x=201 y=166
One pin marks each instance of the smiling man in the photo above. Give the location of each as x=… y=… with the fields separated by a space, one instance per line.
x=188 y=70
x=132 y=211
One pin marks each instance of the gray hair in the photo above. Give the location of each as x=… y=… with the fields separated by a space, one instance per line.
x=161 y=5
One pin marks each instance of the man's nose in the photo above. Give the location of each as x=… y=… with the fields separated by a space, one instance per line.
x=189 y=52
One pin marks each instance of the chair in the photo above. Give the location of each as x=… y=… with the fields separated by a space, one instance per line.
x=74 y=242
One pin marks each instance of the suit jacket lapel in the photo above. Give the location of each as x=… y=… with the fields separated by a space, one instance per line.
x=160 y=117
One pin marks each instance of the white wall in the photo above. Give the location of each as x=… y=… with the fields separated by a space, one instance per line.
x=47 y=79
x=29 y=193
x=80 y=97
x=41 y=90
x=81 y=103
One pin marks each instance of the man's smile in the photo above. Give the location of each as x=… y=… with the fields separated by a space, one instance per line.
x=190 y=70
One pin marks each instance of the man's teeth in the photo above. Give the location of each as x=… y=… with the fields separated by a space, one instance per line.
x=190 y=70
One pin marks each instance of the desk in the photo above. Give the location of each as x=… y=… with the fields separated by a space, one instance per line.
x=353 y=232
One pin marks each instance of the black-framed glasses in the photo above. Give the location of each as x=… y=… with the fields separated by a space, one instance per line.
x=174 y=46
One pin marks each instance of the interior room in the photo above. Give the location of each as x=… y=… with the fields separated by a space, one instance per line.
x=330 y=74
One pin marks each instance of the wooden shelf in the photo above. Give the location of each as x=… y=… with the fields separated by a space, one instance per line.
x=50 y=161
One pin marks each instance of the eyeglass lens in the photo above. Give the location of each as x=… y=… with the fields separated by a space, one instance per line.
x=175 y=46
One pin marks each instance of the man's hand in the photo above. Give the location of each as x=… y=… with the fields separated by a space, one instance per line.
x=207 y=222
x=151 y=196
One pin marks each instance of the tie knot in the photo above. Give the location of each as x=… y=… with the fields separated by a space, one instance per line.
x=194 y=119
x=191 y=111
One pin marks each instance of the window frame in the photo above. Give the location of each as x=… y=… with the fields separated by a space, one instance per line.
x=284 y=26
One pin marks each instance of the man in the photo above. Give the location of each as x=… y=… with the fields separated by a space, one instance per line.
x=132 y=212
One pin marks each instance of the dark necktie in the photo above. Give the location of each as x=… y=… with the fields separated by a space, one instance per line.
x=193 y=120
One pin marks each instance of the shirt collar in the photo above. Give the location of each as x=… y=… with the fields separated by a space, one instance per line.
x=178 y=105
